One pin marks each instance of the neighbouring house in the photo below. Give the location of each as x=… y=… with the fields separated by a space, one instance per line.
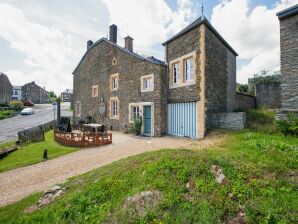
x=17 y=93
x=114 y=85
x=35 y=93
x=289 y=59
x=5 y=89
x=268 y=95
x=66 y=96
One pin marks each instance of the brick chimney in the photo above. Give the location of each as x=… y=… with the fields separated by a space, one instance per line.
x=89 y=44
x=128 y=43
x=113 y=33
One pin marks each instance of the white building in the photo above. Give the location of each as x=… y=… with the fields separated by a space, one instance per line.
x=17 y=93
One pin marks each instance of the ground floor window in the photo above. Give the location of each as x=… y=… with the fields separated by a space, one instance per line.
x=135 y=112
x=114 y=108
x=78 y=109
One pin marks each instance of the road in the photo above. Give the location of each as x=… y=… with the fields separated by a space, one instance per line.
x=10 y=127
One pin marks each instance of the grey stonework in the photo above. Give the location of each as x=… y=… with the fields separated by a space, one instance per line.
x=231 y=121
x=244 y=101
x=289 y=62
x=5 y=89
x=181 y=46
x=231 y=87
x=31 y=91
x=268 y=95
x=96 y=68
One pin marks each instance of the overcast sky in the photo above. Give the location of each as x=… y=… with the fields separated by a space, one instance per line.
x=43 y=40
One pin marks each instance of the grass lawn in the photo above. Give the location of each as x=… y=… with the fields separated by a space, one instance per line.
x=33 y=153
x=261 y=170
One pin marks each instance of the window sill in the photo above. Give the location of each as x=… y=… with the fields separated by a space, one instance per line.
x=146 y=90
x=182 y=84
x=114 y=118
x=114 y=89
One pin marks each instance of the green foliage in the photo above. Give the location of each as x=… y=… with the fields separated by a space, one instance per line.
x=16 y=105
x=52 y=94
x=6 y=114
x=263 y=77
x=257 y=166
x=137 y=126
x=290 y=126
x=32 y=153
x=261 y=120
x=242 y=88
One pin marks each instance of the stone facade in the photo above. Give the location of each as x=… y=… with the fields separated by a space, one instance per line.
x=99 y=63
x=245 y=101
x=231 y=121
x=289 y=58
x=268 y=95
x=35 y=93
x=5 y=89
x=66 y=96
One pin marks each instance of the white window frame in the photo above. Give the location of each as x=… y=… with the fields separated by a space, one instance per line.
x=188 y=70
x=176 y=73
x=114 y=82
x=114 y=108
x=143 y=82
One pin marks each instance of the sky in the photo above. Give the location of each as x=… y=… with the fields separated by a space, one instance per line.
x=43 y=40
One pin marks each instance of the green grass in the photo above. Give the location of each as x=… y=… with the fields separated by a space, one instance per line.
x=33 y=153
x=259 y=168
x=7 y=144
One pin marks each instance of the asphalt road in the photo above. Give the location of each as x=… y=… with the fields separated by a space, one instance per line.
x=10 y=127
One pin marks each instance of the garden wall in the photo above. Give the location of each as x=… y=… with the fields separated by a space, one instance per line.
x=35 y=134
x=268 y=95
x=245 y=101
x=231 y=121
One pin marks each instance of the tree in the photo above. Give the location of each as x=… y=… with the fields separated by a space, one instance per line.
x=52 y=94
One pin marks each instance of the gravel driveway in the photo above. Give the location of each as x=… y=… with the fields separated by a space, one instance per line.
x=18 y=183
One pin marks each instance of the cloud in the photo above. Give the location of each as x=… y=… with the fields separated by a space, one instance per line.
x=253 y=33
x=149 y=22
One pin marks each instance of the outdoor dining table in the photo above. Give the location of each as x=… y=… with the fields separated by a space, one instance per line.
x=95 y=128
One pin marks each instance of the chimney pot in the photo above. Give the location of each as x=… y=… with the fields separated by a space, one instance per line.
x=89 y=44
x=113 y=33
x=128 y=43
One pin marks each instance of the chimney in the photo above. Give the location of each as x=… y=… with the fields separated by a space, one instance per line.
x=128 y=43
x=113 y=33
x=89 y=44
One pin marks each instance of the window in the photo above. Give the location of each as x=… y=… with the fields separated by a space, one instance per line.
x=114 y=82
x=176 y=73
x=135 y=112
x=78 y=109
x=114 y=108
x=188 y=70
x=147 y=83
x=95 y=91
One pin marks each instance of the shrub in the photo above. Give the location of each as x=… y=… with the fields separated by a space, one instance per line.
x=16 y=105
x=261 y=120
x=6 y=114
x=290 y=126
x=138 y=121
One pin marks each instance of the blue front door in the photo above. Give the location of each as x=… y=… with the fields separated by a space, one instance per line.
x=147 y=120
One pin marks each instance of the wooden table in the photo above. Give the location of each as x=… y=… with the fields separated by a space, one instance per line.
x=95 y=128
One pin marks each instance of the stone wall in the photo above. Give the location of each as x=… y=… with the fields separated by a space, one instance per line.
x=5 y=89
x=179 y=47
x=35 y=93
x=268 y=95
x=289 y=62
x=35 y=134
x=231 y=87
x=105 y=59
x=244 y=101
x=235 y=121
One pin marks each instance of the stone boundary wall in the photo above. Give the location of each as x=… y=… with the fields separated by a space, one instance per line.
x=268 y=95
x=35 y=134
x=245 y=101
x=231 y=121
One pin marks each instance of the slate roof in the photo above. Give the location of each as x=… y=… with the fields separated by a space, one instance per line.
x=288 y=12
x=150 y=59
x=197 y=23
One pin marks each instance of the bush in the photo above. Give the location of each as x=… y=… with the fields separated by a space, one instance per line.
x=290 y=126
x=6 y=114
x=261 y=120
x=16 y=105
x=138 y=121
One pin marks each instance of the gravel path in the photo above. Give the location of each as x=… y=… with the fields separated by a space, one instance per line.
x=18 y=183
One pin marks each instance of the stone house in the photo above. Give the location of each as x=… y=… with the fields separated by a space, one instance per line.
x=289 y=59
x=114 y=84
x=35 y=93
x=66 y=96
x=5 y=89
x=17 y=93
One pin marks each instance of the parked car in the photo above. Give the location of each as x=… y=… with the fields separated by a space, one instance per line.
x=27 y=111
x=28 y=103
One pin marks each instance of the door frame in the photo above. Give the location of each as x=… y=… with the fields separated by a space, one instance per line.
x=143 y=104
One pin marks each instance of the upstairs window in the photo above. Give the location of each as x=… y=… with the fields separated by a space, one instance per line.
x=95 y=91
x=147 y=83
x=188 y=70
x=176 y=73
x=114 y=82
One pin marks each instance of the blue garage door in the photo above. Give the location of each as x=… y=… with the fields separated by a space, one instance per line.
x=182 y=119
